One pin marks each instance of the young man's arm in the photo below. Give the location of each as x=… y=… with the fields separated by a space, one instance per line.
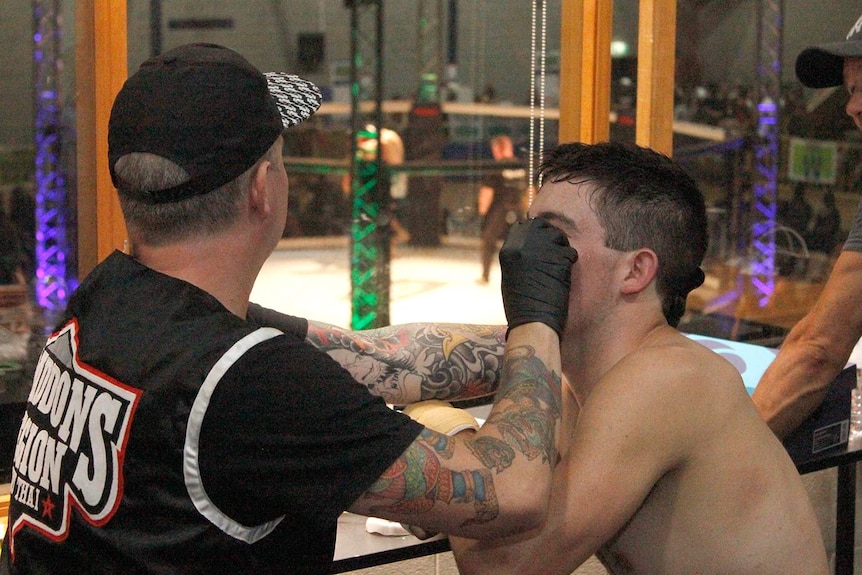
x=476 y=486
x=815 y=350
x=613 y=455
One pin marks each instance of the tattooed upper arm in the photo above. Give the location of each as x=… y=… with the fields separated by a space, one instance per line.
x=413 y=362
x=462 y=473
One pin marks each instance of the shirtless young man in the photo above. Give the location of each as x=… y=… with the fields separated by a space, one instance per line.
x=666 y=466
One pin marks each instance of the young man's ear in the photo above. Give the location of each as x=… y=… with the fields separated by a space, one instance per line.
x=641 y=269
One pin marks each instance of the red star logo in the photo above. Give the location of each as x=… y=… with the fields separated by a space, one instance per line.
x=48 y=507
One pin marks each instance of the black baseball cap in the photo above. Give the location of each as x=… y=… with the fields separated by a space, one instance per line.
x=207 y=109
x=822 y=66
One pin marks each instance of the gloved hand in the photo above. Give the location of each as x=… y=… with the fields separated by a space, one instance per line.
x=536 y=262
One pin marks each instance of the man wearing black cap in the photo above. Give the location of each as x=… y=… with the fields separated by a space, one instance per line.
x=818 y=346
x=173 y=427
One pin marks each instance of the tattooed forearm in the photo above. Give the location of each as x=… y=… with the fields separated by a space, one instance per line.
x=414 y=362
x=418 y=480
x=527 y=423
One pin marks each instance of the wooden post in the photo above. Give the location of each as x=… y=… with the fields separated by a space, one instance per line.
x=101 y=29
x=656 y=59
x=585 y=70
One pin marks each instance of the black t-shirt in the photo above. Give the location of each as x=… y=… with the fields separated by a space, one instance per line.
x=509 y=186
x=301 y=436
x=165 y=434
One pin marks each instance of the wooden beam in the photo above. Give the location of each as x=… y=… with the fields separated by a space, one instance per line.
x=100 y=27
x=585 y=70
x=656 y=59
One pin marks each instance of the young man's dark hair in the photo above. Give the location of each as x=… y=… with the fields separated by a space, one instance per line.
x=642 y=199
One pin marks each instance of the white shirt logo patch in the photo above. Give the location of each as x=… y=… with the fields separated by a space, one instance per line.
x=71 y=443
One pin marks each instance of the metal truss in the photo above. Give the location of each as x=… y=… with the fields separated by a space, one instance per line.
x=52 y=285
x=429 y=46
x=370 y=228
x=764 y=210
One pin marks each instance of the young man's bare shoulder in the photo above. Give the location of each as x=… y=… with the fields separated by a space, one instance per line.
x=674 y=362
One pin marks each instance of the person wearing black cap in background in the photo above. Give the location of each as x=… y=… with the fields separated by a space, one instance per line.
x=665 y=466
x=819 y=345
x=173 y=427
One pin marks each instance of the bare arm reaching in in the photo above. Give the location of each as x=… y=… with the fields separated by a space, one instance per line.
x=815 y=351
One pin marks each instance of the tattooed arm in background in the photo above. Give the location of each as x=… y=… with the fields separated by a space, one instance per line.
x=413 y=362
x=407 y=363
x=473 y=485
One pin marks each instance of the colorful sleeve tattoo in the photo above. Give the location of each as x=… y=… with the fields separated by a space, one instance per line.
x=527 y=409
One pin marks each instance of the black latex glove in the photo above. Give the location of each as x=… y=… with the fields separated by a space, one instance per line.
x=536 y=262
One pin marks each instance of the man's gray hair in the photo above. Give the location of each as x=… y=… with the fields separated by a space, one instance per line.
x=160 y=224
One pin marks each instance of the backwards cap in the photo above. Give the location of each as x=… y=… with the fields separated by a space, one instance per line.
x=822 y=66
x=207 y=109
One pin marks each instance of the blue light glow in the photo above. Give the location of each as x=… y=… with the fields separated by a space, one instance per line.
x=764 y=205
x=52 y=284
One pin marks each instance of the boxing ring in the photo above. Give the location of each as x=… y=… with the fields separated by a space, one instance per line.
x=372 y=203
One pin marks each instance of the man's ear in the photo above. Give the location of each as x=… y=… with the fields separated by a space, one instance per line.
x=641 y=269
x=260 y=199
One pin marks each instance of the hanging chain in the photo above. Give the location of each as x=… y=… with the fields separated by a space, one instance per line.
x=534 y=24
x=542 y=59
x=531 y=161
